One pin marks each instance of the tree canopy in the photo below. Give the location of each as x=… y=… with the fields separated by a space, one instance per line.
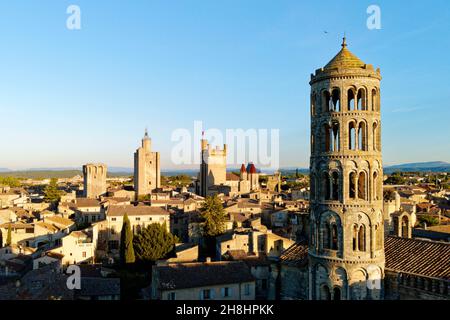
x=213 y=213
x=10 y=181
x=153 y=242
x=51 y=192
x=396 y=179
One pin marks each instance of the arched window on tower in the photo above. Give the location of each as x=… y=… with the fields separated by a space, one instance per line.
x=374 y=100
x=334 y=237
x=362 y=238
x=352 y=185
x=375 y=186
x=362 y=183
x=351 y=136
x=326 y=99
x=361 y=100
x=326 y=236
x=378 y=136
x=336 y=100
x=313 y=104
x=335 y=185
x=325 y=293
x=374 y=136
x=335 y=137
x=326 y=186
x=362 y=136
x=336 y=293
x=405 y=227
x=350 y=100
x=355 y=237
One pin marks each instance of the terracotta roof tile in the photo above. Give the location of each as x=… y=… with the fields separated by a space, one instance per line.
x=296 y=255
x=194 y=275
x=427 y=258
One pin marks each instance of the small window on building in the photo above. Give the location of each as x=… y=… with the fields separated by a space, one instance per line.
x=171 y=296
x=113 y=219
x=247 y=289
x=150 y=219
x=264 y=284
x=226 y=292
x=207 y=294
x=138 y=219
x=84 y=254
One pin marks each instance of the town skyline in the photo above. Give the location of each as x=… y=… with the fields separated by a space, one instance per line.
x=84 y=90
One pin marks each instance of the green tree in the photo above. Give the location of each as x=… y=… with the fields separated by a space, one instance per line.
x=213 y=213
x=10 y=181
x=428 y=220
x=126 y=242
x=143 y=198
x=396 y=178
x=153 y=242
x=51 y=192
x=8 y=237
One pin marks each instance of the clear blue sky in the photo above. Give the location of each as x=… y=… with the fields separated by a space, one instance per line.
x=71 y=97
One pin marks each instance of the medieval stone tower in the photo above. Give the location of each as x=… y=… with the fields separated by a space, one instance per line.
x=346 y=248
x=147 y=170
x=94 y=180
x=213 y=167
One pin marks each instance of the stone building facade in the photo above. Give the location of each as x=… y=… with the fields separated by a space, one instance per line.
x=346 y=245
x=147 y=168
x=94 y=180
x=213 y=167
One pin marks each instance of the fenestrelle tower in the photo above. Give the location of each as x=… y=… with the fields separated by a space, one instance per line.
x=346 y=247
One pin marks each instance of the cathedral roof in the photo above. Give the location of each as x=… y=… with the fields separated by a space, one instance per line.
x=420 y=257
x=345 y=59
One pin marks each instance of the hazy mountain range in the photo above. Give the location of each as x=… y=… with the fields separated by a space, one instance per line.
x=433 y=166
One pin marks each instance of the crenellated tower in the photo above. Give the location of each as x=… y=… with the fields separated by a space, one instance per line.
x=346 y=247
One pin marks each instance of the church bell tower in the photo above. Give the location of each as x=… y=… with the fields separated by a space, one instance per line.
x=346 y=245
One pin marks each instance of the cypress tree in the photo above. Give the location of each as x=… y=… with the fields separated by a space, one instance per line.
x=126 y=242
x=8 y=237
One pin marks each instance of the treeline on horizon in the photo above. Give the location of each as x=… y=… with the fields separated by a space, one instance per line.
x=64 y=174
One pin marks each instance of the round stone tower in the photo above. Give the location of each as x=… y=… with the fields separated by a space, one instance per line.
x=346 y=247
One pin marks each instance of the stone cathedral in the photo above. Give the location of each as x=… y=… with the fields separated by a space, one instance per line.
x=346 y=246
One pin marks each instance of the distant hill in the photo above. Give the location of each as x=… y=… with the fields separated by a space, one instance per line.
x=432 y=166
x=41 y=173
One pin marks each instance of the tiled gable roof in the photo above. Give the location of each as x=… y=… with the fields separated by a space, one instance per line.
x=194 y=275
x=296 y=255
x=427 y=258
